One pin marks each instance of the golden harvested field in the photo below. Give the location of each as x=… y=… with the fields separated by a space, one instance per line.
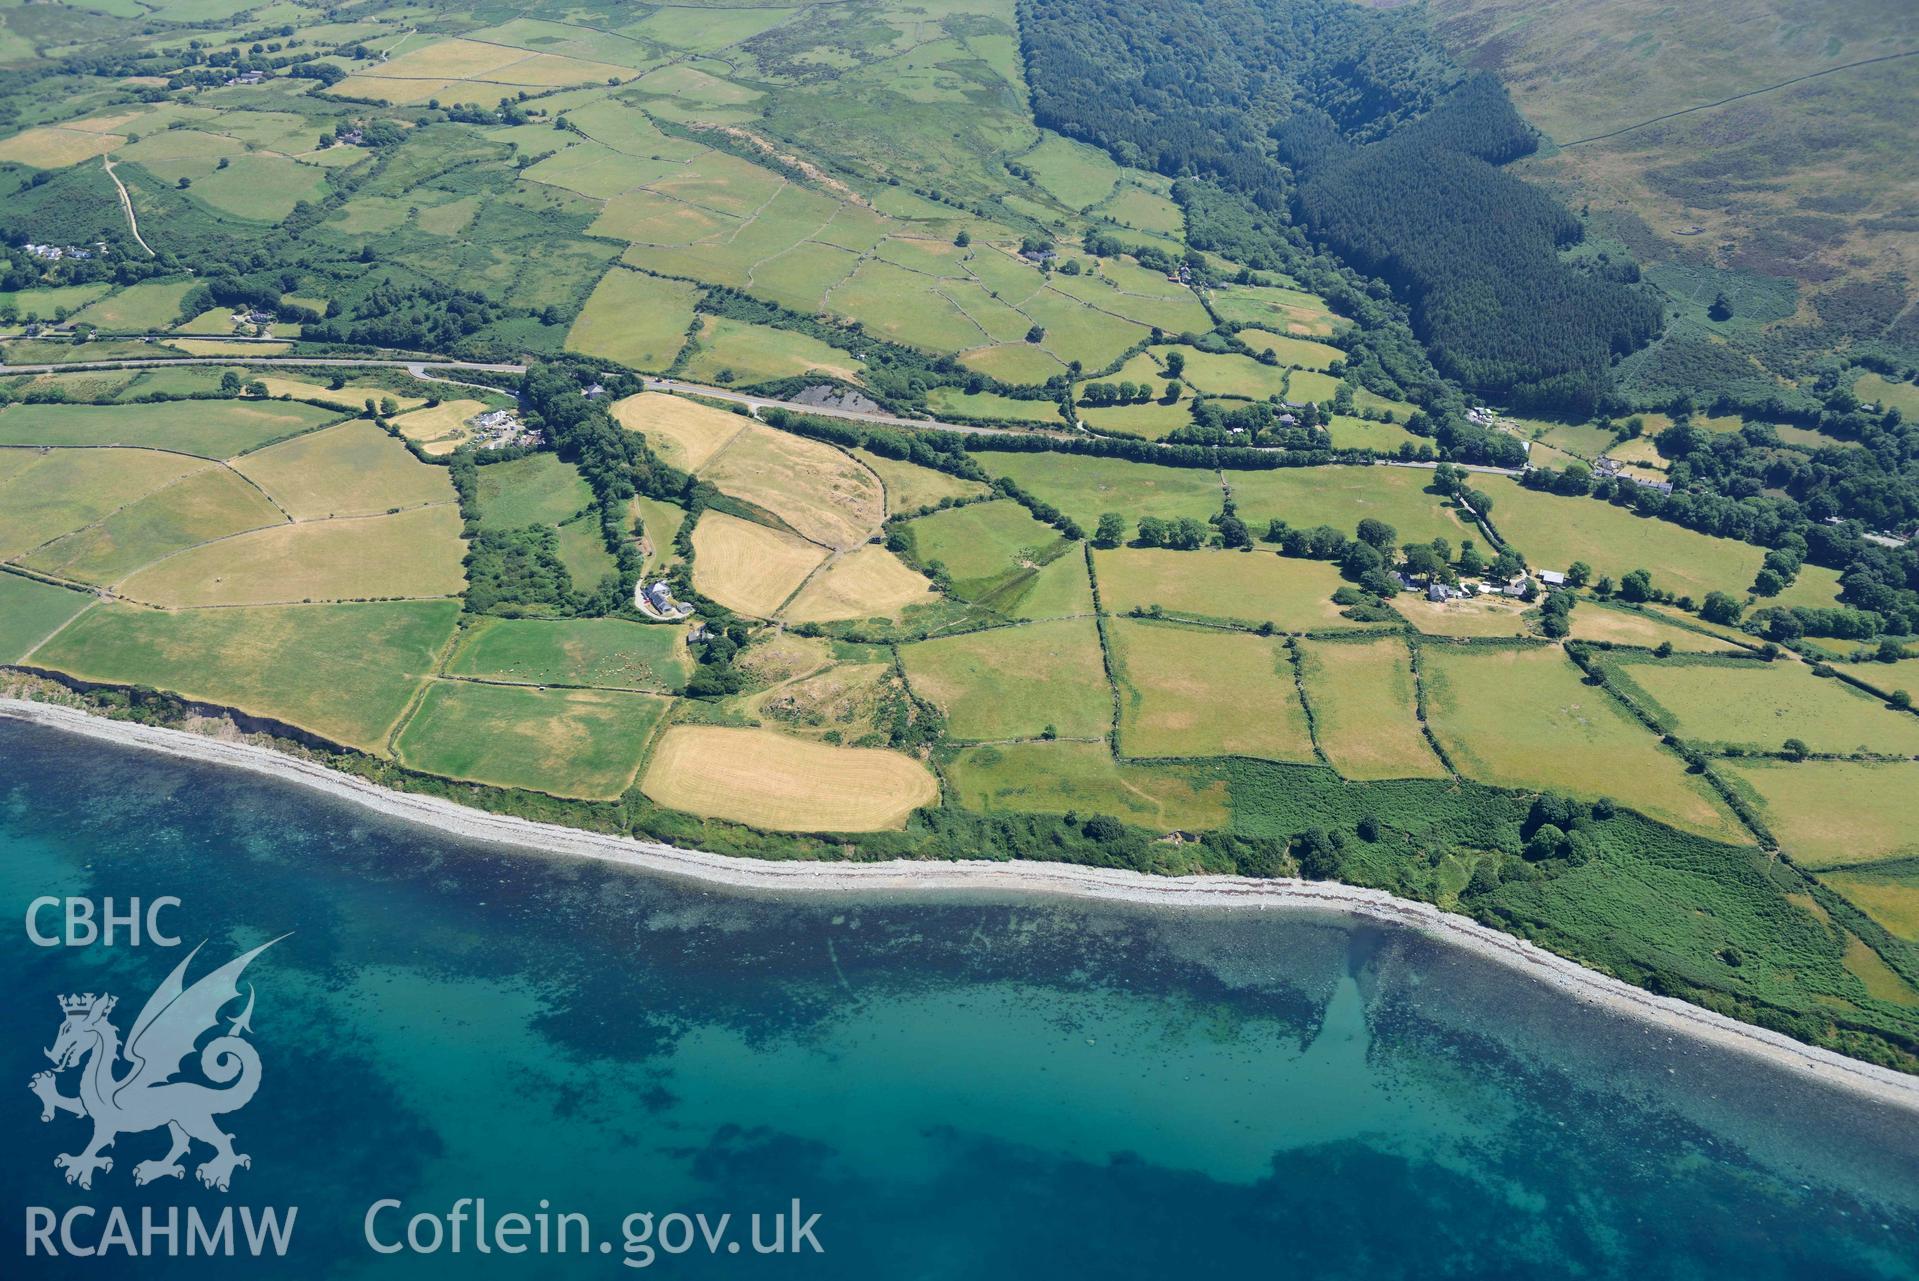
x=440 y=428
x=1246 y=587
x=1836 y=813
x=46 y=494
x=349 y=397
x=1524 y=718
x=472 y=71
x=1480 y=616
x=683 y=432
x=414 y=554
x=1595 y=622
x=1366 y=708
x=785 y=784
x=1014 y=682
x=869 y=582
x=1187 y=691
x=354 y=469
x=450 y=60
x=1764 y=704
x=749 y=567
x=822 y=492
x=910 y=487
x=220 y=347
x=52 y=147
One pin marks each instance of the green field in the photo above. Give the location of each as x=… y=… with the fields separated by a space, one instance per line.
x=1348 y=432
x=209 y=428
x=735 y=353
x=1242 y=587
x=1301 y=353
x=342 y=671
x=1874 y=389
x=1289 y=311
x=1619 y=626
x=1201 y=692
x=1306 y=386
x=981 y=544
x=569 y=742
x=661 y=523
x=1132 y=206
x=582 y=549
x=1343 y=496
x=1084 y=488
x=45 y=495
x=1814 y=587
x=210 y=503
x=1153 y=420
x=1234 y=375
x=1054 y=778
x=1365 y=708
x=637 y=320
x=48 y=303
x=354 y=469
x=1552 y=532
x=1058 y=589
x=1524 y=718
x=1836 y=813
x=536 y=490
x=1760 y=704
x=988 y=406
x=606 y=653
x=910 y=487
x=1071 y=172
x=1015 y=682
x=1014 y=362
x=147 y=307
x=31 y=611
x=1891 y=899
x=413 y=554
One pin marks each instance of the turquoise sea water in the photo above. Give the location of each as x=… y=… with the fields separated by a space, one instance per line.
x=957 y=1087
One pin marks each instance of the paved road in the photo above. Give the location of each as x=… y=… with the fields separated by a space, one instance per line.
x=427 y=369
x=157 y=362
x=876 y=417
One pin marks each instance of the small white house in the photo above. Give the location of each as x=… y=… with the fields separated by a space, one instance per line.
x=1552 y=578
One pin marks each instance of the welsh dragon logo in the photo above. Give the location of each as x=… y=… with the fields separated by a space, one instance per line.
x=145 y=1096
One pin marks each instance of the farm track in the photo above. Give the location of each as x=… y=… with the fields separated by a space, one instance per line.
x=126 y=205
x=1750 y=93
